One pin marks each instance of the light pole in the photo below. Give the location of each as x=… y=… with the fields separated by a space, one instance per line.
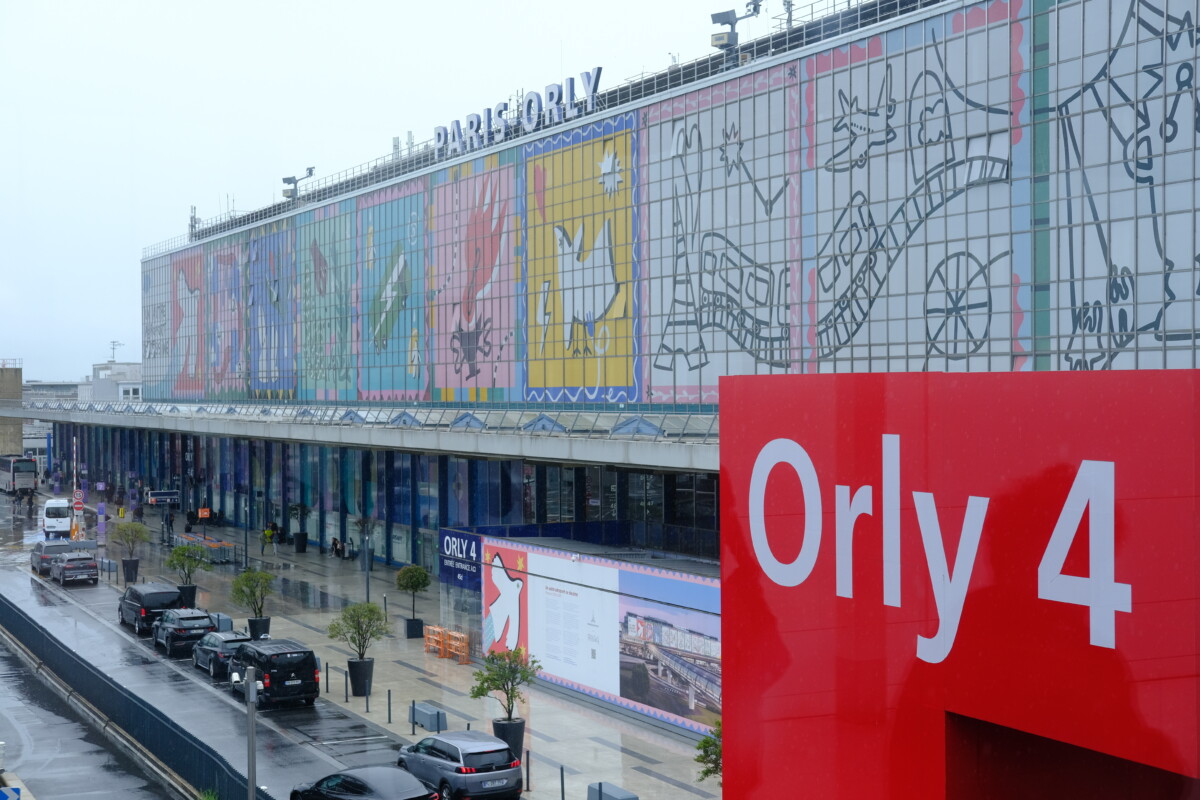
x=293 y=183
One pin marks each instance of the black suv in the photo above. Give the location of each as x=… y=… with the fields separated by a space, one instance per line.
x=143 y=603
x=287 y=669
x=178 y=626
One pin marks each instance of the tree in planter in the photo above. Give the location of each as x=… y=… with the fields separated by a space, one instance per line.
x=251 y=589
x=186 y=560
x=300 y=513
x=708 y=754
x=360 y=625
x=128 y=535
x=504 y=673
x=412 y=579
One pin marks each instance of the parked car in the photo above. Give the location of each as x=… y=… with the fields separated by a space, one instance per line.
x=365 y=783
x=464 y=764
x=180 y=626
x=75 y=565
x=143 y=603
x=214 y=650
x=43 y=552
x=287 y=669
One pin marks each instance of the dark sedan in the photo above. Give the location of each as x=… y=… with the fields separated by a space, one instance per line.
x=213 y=650
x=365 y=783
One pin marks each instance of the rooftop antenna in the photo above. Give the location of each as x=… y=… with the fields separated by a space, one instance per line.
x=114 y=344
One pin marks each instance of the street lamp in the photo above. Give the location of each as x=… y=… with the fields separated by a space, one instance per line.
x=292 y=192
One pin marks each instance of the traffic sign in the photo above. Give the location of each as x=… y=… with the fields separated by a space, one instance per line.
x=78 y=494
x=203 y=513
x=78 y=505
x=162 y=498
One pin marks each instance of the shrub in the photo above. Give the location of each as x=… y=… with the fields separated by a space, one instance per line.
x=251 y=589
x=360 y=625
x=128 y=535
x=185 y=560
x=412 y=579
x=504 y=673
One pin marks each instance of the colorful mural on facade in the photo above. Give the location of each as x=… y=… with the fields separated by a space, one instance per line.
x=325 y=243
x=887 y=203
x=580 y=303
x=907 y=145
x=1126 y=244
x=473 y=214
x=718 y=285
x=390 y=294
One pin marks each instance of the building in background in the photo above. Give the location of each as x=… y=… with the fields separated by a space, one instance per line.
x=517 y=333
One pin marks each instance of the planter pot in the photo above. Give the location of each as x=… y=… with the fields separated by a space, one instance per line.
x=512 y=731
x=258 y=626
x=130 y=567
x=414 y=628
x=187 y=594
x=361 y=670
x=301 y=540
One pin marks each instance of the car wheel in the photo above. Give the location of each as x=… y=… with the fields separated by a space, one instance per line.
x=308 y=701
x=402 y=764
x=168 y=644
x=446 y=792
x=212 y=668
x=95 y=581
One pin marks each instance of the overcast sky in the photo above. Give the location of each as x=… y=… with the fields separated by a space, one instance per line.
x=117 y=116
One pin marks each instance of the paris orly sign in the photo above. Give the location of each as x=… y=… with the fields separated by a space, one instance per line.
x=924 y=568
x=556 y=105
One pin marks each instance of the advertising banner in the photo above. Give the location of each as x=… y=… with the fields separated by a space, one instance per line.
x=643 y=638
x=920 y=569
x=460 y=559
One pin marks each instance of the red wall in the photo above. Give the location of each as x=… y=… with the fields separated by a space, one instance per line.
x=1053 y=515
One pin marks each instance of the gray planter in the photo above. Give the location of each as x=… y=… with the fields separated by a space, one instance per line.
x=414 y=628
x=187 y=594
x=361 y=671
x=300 y=539
x=512 y=731
x=130 y=567
x=258 y=626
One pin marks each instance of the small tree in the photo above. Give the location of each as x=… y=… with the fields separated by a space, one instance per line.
x=186 y=559
x=128 y=535
x=708 y=754
x=360 y=625
x=251 y=589
x=412 y=579
x=300 y=513
x=504 y=673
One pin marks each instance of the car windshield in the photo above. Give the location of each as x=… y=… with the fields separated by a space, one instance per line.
x=194 y=622
x=490 y=759
x=80 y=561
x=58 y=512
x=284 y=660
x=229 y=645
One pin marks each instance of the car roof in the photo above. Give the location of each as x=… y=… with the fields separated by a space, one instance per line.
x=233 y=636
x=269 y=646
x=471 y=741
x=151 y=588
x=387 y=779
x=79 y=554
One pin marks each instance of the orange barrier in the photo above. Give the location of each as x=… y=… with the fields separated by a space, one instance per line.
x=457 y=644
x=435 y=640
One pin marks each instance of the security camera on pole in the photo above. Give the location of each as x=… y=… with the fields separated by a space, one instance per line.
x=728 y=41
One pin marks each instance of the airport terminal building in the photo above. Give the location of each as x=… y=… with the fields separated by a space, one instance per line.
x=520 y=329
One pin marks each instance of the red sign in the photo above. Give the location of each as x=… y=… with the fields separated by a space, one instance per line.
x=78 y=505
x=202 y=513
x=927 y=569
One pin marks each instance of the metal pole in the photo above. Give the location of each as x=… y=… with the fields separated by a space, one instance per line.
x=528 y=773
x=251 y=702
x=562 y=782
x=412 y=716
x=346 y=684
x=385 y=604
x=366 y=546
x=389 y=706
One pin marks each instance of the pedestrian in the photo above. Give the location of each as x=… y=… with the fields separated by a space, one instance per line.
x=335 y=549
x=262 y=542
x=274 y=542
x=170 y=522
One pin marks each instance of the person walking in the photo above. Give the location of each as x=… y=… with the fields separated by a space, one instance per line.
x=262 y=542
x=275 y=542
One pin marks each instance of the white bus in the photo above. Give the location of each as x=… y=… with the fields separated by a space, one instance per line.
x=18 y=474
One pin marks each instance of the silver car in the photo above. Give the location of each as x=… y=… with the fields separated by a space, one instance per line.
x=74 y=566
x=464 y=764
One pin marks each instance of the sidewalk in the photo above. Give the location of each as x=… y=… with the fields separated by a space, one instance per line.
x=590 y=743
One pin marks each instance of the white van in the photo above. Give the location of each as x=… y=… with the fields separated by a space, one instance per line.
x=56 y=518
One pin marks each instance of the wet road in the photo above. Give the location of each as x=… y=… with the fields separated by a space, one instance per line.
x=295 y=744
x=54 y=752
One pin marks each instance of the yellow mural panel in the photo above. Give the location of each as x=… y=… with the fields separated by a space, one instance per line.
x=581 y=273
